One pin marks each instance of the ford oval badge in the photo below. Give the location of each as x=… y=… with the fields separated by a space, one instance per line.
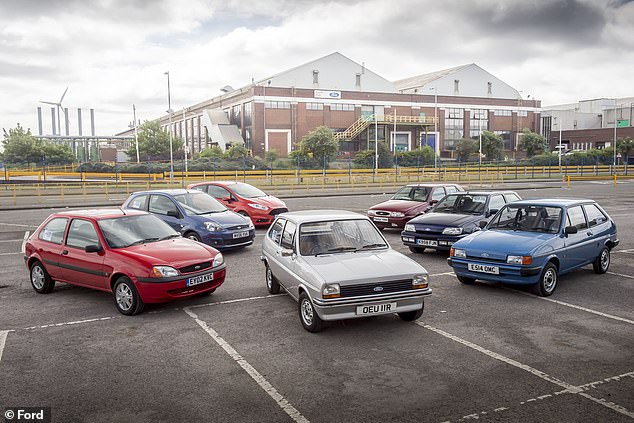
x=334 y=94
x=378 y=288
x=485 y=255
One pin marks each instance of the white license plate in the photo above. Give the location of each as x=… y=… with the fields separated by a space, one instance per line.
x=240 y=234
x=494 y=270
x=380 y=219
x=370 y=309
x=197 y=280
x=427 y=242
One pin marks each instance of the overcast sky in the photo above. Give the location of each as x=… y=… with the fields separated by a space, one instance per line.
x=113 y=53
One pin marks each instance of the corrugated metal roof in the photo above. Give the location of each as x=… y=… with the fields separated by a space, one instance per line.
x=426 y=78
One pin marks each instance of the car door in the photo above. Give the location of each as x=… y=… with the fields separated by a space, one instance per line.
x=222 y=195
x=139 y=202
x=80 y=267
x=161 y=205
x=599 y=226
x=577 y=247
x=496 y=202
x=272 y=248
x=288 y=263
x=49 y=247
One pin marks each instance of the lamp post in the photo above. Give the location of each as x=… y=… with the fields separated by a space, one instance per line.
x=614 y=163
x=560 y=150
x=436 y=137
x=184 y=132
x=376 y=144
x=136 y=136
x=480 y=138
x=170 y=111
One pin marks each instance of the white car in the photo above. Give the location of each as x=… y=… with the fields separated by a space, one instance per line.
x=337 y=265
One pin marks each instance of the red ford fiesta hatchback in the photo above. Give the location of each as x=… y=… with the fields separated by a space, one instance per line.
x=134 y=255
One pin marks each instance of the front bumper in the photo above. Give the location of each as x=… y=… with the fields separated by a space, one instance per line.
x=442 y=242
x=508 y=273
x=225 y=239
x=155 y=290
x=346 y=308
x=390 y=222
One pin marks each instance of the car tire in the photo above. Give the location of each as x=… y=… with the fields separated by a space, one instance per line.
x=547 y=281
x=126 y=297
x=243 y=213
x=602 y=263
x=465 y=280
x=307 y=314
x=410 y=316
x=417 y=250
x=271 y=283
x=193 y=236
x=40 y=279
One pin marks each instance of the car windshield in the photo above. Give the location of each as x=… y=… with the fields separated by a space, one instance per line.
x=199 y=203
x=339 y=236
x=247 y=191
x=124 y=231
x=528 y=218
x=412 y=194
x=461 y=204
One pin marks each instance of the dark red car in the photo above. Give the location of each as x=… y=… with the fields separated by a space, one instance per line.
x=244 y=199
x=133 y=254
x=407 y=203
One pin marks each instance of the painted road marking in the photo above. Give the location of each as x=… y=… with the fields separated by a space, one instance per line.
x=76 y=322
x=26 y=237
x=18 y=225
x=3 y=340
x=238 y=300
x=441 y=274
x=11 y=240
x=568 y=388
x=621 y=275
x=10 y=254
x=251 y=371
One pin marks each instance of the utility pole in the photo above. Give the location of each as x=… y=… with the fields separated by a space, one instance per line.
x=169 y=110
x=136 y=135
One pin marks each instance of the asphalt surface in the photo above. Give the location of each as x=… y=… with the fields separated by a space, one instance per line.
x=484 y=352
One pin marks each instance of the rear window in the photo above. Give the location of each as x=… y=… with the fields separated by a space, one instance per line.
x=595 y=215
x=54 y=230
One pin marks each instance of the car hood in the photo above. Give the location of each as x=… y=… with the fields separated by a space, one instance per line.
x=177 y=252
x=268 y=201
x=447 y=219
x=398 y=205
x=224 y=219
x=363 y=267
x=500 y=243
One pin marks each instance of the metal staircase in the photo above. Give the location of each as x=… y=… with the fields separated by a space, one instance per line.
x=361 y=124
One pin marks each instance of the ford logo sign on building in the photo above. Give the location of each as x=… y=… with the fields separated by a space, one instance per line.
x=327 y=94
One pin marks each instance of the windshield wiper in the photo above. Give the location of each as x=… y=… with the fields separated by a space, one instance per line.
x=375 y=245
x=210 y=212
x=143 y=241
x=341 y=249
x=170 y=236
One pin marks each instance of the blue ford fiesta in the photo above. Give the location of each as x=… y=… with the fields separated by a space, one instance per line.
x=532 y=242
x=197 y=216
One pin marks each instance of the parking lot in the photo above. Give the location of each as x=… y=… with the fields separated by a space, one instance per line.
x=483 y=352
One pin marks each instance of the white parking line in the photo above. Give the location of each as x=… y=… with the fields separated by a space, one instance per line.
x=10 y=254
x=23 y=247
x=628 y=251
x=568 y=388
x=621 y=275
x=441 y=274
x=3 y=340
x=292 y=412
x=11 y=240
x=76 y=322
x=18 y=225
x=237 y=300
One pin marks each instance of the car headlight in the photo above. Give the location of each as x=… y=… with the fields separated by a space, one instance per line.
x=218 y=260
x=397 y=214
x=331 y=290
x=452 y=231
x=420 y=281
x=213 y=227
x=519 y=259
x=456 y=252
x=258 y=206
x=410 y=228
x=164 y=272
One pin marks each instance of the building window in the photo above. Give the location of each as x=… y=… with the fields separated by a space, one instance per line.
x=502 y=112
x=454 y=127
x=248 y=114
x=456 y=86
x=277 y=104
x=506 y=139
x=314 y=106
x=479 y=122
x=489 y=88
x=522 y=113
x=235 y=115
x=342 y=107
x=357 y=82
x=315 y=76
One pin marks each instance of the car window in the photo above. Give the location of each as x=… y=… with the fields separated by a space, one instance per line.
x=81 y=233
x=510 y=197
x=576 y=218
x=202 y=188
x=288 y=235
x=412 y=194
x=217 y=192
x=438 y=194
x=54 y=230
x=247 y=191
x=160 y=204
x=199 y=203
x=451 y=189
x=595 y=215
x=528 y=218
x=139 y=202
x=275 y=233
x=124 y=231
x=339 y=236
x=496 y=202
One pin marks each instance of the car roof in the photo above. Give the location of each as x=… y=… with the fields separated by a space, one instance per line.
x=321 y=215
x=223 y=183
x=431 y=185
x=557 y=202
x=483 y=192
x=175 y=191
x=100 y=213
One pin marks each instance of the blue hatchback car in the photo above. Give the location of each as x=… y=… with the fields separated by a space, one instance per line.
x=532 y=242
x=197 y=216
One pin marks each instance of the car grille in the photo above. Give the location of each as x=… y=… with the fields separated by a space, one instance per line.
x=429 y=229
x=369 y=288
x=237 y=227
x=381 y=213
x=195 y=267
x=275 y=212
x=487 y=259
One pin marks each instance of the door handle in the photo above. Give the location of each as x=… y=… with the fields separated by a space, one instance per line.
x=589 y=233
x=64 y=252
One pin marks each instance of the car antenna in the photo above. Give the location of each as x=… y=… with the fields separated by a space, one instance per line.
x=121 y=208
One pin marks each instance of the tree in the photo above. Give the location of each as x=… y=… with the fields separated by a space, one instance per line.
x=154 y=142
x=320 y=143
x=212 y=152
x=532 y=143
x=625 y=146
x=465 y=148
x=21 y=146
x=237 y=151
x=492 y=145
x=366 y=157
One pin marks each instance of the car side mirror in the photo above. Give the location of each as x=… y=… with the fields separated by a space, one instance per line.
x=482 y=224
x=432 y=202
x=173 y=213
x=492 y=212
x=287 y=252
x=92 y=248
x=571 y=230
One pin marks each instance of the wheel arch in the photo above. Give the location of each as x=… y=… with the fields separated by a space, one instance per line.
x=115 y=276
x=554 y=260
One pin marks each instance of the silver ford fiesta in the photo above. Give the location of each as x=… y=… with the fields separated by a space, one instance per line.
x=337 y=265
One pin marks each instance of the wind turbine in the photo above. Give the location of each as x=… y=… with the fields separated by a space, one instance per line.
x=59 y=109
